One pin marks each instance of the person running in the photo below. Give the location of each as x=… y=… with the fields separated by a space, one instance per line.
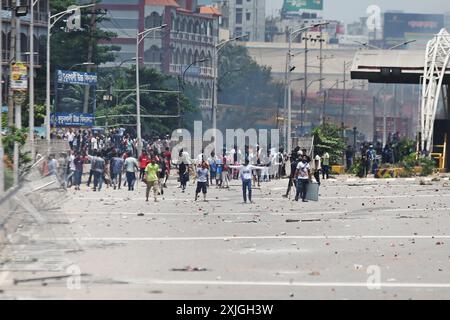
x=245 y=171
x=152 y=172
x=131 y=166
x=143 y=162
x=202 y=180
x=303 y=175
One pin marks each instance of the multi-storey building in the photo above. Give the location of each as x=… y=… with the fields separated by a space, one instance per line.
x=40 y=29
x=190 y=36
x=244 y=17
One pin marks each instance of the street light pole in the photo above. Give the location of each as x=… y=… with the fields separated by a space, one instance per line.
x=139 y=38
x=289 y=69
x=52 y=20
x=218 y=47
x=31 y=88
x=2 y=173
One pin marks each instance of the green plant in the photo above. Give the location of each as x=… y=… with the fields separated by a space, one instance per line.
x=327 y=138
x=20 y=136
x=410 y=162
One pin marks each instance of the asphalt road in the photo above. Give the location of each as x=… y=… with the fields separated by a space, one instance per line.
x=364 y=239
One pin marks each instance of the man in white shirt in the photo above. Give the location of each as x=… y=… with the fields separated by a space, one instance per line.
x=70 y=137
x=131 y=166
x=245 y=171
x=303 y=175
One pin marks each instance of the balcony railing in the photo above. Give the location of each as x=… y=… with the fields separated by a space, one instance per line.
x=23 y=58
x=194 y=71
x=192 y=37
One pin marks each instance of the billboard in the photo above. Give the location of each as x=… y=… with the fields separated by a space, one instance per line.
x=74 y=77
x=400 y=27
x=292 y=6
x=65 y=119
x=19 y=77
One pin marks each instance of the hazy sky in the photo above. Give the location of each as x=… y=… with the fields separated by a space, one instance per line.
x=351 y=10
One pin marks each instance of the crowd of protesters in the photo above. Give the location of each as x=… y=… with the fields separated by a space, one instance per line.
x=114 y=163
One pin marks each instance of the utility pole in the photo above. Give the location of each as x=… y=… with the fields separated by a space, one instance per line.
x=289 y=95
x=11 y=59
x=343 y=103
x=321 y=60
x=92 y=28
x=305 y=93
x=31 y=82
x=18 y=106
x=2 y=166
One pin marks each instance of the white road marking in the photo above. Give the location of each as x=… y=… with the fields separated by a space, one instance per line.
x=260 y=213
x=225 y=237
x=374 y=197
x=300 y=284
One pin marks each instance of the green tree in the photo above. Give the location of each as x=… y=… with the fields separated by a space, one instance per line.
x=327 y=138
x=20 y=136
x=243 y=82
x=165 y=103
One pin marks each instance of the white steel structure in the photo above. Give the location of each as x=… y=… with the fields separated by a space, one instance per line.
x=437 y=58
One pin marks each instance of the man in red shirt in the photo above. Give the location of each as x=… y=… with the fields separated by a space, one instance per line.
x=144 y=160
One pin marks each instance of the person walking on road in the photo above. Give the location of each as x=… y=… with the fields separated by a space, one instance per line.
x=326 y=165
x=116 y=170
x=98 y=168
x=79 y=163
x=245 y=171
x=202 y=180
x=131 y=166
x=152 y=172
x=303 y=175
x=292 y=182
x=143 y=162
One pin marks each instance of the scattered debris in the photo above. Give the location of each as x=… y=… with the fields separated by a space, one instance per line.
x=17 y=281
x=140 y=214
x=314 y=273
x=292 y=220
x=311 y=220
x=189 y=269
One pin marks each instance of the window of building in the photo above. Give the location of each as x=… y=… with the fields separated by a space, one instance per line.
x=249 y=16
x=239 y=16
x=238 y=2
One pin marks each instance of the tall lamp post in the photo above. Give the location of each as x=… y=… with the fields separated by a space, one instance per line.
x=289 y=69
x=2 y=174
x=218 y=47
x=139 y=38
x=52 y=20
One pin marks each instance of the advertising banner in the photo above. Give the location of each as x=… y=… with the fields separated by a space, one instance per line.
x=64 y=119
x=74 y=77
x=19 y=77
x=291 y=6
x=400 y=27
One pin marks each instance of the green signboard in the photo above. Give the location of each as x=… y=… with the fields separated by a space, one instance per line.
x=300 y=5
